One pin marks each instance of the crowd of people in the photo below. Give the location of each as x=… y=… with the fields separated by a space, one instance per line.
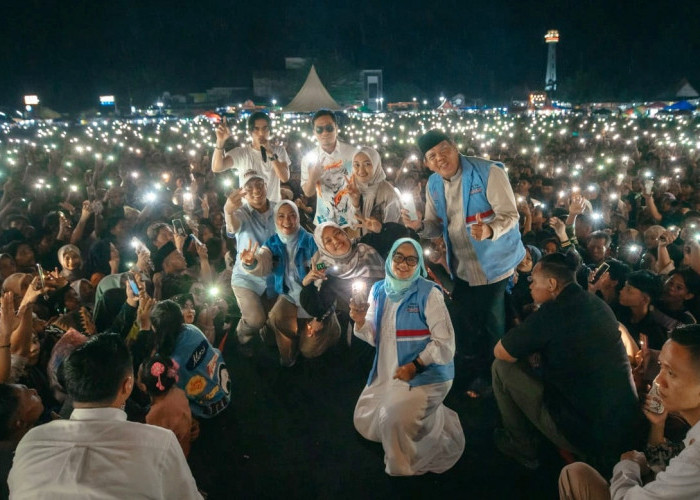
x=552 y=263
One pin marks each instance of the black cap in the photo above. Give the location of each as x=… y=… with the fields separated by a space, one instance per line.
x=647 y=282
x=430 y=139
x=160 y=255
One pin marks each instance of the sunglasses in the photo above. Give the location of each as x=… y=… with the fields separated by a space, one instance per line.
x=410 y=260
x=327 y=128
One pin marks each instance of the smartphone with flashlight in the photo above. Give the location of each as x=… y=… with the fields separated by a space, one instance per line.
x=599 y=272
x=179 y=228
x=42 y=278
x=648 y=185
x=410 y=205
x=133 y=285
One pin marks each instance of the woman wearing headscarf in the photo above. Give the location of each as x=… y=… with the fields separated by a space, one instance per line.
x=401 y=406
x=287 y=255
x=71 y=263
x=338 y=264
x=369 y=188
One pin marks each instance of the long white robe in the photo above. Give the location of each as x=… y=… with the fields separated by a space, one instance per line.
x=418 y=433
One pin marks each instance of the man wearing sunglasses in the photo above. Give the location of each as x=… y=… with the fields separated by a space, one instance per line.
x=269 y=160
x=324 y=171
x=471 y=205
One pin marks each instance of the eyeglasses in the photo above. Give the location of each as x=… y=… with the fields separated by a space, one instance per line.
x=327 y=128
x=443 y=150
x=411 y=261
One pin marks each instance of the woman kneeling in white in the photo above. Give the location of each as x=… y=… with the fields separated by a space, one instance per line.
x=401 y=406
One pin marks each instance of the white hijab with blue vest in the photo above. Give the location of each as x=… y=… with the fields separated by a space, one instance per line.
x=293 y=253
x=412 y=331
x=396 y=288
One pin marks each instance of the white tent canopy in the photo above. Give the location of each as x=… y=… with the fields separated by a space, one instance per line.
x=312 y=96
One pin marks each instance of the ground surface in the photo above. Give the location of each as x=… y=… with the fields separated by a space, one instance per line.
x=288 y=433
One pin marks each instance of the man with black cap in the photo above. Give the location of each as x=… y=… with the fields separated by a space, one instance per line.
x=470 y=203
x=641 y=290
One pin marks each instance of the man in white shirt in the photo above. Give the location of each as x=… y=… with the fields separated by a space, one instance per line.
x=270 y=160
x=679 y=391
x=325 y=169
x=97 y=453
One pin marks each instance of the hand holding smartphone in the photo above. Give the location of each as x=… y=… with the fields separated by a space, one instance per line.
x=599 y=272
x=410 y=205
x=179 y=228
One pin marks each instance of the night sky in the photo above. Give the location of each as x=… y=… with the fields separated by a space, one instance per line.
x=69 y=52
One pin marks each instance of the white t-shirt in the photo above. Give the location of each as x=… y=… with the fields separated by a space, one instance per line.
x=98 y=454
x=333 y=202
x=248 y=158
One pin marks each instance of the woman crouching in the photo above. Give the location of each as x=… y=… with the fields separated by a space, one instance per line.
x=401 y=406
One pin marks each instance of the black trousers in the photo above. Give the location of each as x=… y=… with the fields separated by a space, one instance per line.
x=479 y=318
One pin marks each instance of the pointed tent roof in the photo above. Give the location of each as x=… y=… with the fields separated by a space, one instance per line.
x=685 y=89
x=312 y=96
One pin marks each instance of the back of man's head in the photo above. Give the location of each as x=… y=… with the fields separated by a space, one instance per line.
x=560 y=266
x=689 y=337
x=94 y=372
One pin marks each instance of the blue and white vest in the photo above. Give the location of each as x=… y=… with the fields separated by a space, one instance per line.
x=412 y=333
x=306 y=248
x=496 y=257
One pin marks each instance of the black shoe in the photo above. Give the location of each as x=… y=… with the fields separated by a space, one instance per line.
x=480 y=388
x=505 y=445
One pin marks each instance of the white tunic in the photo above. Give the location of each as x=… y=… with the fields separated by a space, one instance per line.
x=419 y=434
x=98 y=454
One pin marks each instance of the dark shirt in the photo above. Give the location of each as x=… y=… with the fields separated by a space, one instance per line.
x=383 y=240
x=655 y=332
x=586 y=375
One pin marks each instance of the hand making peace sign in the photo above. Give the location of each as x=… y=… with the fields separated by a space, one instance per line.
x=248 y=255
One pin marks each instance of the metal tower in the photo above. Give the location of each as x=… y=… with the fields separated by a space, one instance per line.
x=551 y=38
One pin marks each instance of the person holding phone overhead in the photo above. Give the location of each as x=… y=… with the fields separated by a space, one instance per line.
x=271 y=161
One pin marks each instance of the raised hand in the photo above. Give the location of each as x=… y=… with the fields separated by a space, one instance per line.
x=313 y=275
x=481 y=231
x=577 y=204
x=666 y=238
x=234 y=200
x=143 y=313
x=86 y=210
x=353 y=190
x=358 y=313
x=248 y=255
x=368 y=223
x=413 y=224
x=222 y=132
x=7 y=317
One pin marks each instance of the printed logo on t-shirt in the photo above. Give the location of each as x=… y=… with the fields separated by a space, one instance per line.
x=211 y=366
x=210 y=395
x=197 y=355
x=224 y=379
x=475 y=190
x=412 y=308
x=196 y=385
